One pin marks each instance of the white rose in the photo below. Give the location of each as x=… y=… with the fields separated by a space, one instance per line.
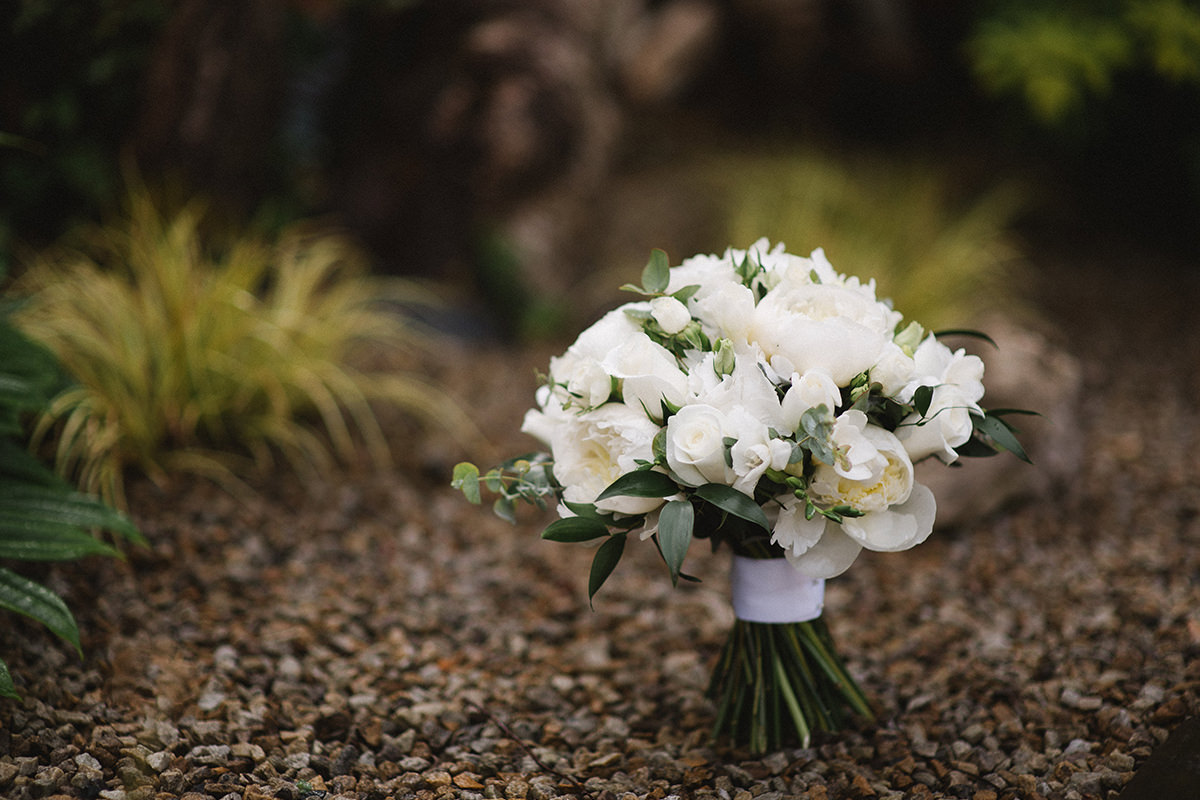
x=875 y=451
x=648 y=374
x=670 y=314
x=946 y=425
x=840 y=329
x=814 y=388
x=815 y=547
x=593 y=449
x=695 y=446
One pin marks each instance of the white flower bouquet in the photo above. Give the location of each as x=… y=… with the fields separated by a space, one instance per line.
x=765 y=402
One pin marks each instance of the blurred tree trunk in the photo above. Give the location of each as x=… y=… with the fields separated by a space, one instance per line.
x=213 y=98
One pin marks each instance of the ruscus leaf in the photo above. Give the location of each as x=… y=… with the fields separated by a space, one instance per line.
x=641 y=483
x=604 y=562
x=675 y=523
x=733 y=502
x=574 y=529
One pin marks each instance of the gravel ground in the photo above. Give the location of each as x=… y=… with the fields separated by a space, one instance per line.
x=376 y=636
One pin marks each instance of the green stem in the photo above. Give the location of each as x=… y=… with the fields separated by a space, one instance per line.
x=777 y=683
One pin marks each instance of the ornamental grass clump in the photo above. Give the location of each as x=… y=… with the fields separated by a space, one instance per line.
x=192 y=356
x=936 y=255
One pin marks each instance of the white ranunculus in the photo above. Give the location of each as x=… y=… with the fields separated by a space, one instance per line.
x=608 y=332
x=900 y=527
x=709 y=272
x=839 y=329
x=746 y=387
x=754 y=451
x=695 y=446
x=946 y=425
x=891 y=471
x=935 y=364
x=814 y=388
x=579 y=381
x=725 y=313
x=648 y=374
x=670 y=314
x=593 y=449
x=893 y=370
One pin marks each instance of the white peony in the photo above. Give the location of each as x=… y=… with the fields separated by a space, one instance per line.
x=695 y=446
x=839 y=329
x=900 y=527
x=593 y=449
x=871 y=452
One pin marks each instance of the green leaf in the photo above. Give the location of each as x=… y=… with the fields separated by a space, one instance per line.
x=574 y=529
x=6 y=684
x=675 y=524
x=1001 y=434
x=505 y=509
x=686 y=293
x=605 y=562
x=37 y=539
x=37 y=602
x=733 y=502
x=657 y=272
x=640 y=483
x=466 y=479
x=922 y=398
x=967 y=332
x=69 y=508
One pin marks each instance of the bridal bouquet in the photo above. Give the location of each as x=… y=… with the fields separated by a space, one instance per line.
x=765 y=402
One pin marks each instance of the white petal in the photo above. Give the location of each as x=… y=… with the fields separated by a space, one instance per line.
x=829 y=557
x=899 y=527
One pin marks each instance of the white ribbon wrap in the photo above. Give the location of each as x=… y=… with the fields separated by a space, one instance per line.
x=772 y=590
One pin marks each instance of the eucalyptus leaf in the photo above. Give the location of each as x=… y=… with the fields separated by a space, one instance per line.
x=675 y=523
x=604 y=562
x=466 y=479
x=574 y=529
x=731 y=501
x=640 y=483
x=657 y=272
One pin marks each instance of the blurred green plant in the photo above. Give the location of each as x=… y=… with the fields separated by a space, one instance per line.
x=193 y=357
x=939 y=258
x=42 y=518
x=70 y=85
x=1057 y=58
